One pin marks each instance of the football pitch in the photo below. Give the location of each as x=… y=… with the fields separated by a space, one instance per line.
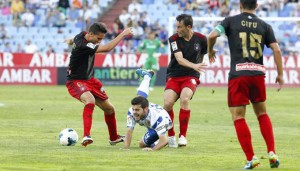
x=31 y=118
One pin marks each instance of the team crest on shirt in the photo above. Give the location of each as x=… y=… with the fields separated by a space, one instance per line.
x=196 y=47
x=91 y=45
x=174 y=46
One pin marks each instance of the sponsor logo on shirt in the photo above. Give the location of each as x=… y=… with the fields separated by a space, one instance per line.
x=91 y=45
x=174 y=46
x=250 y=67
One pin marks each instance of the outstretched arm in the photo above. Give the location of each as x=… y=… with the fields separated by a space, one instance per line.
x=112 y=44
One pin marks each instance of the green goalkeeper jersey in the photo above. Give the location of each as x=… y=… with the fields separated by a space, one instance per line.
x=150 y=46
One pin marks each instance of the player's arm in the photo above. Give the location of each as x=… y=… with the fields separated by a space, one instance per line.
x=211 y=41
x=278 y=60
x=163 y=141
x=112 y=44
x=182 y=61
x=128 y=138
x=69 y=41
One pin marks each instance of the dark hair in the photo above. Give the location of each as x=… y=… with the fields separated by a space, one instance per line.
x=98 y=28
x=249 y=4
x=187 y=19
x=140 y=100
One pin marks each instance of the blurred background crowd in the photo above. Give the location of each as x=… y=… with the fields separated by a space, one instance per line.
x=29 y=26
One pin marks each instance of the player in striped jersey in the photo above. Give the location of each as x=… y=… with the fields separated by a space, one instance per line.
x=150 y=115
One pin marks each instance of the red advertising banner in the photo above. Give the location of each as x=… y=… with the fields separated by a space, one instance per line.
x=42 y=68
x=62 y=60
x=27 y=75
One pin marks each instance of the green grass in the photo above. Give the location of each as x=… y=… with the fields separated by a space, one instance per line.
x=33 y=116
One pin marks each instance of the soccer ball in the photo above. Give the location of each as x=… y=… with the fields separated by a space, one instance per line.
x=68 y=137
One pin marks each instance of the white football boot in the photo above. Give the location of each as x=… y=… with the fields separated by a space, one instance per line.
x=182 y=141
x=172 y=142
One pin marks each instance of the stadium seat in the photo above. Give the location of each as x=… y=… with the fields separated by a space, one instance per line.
x=147 y=2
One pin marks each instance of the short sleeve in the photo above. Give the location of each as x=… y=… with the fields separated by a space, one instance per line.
x=130 y=120
x=204 y=46
x=89 y=47
x=270 y=37
x=225 y=23
x=174 y=47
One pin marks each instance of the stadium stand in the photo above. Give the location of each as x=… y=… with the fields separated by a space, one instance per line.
x=55 y=20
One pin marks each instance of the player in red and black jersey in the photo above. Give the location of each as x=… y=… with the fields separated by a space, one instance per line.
x=83 y=86
x=247 y=35
x=187 y=51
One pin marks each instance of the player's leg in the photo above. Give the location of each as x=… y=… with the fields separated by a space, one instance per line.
x=103 y=102
x=266 y=130
x=238 y=98
x=170 y=97
x=188 y=86
x=149 y=139
x=244 y=135
x=80 y=90
x=155 y=67
x=184 y=115
x=258 y=97
x=143 y=89
x=88 y=99
x=110 y=120
x=265 y=125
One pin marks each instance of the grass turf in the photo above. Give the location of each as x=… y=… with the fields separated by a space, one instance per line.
x=31 y=118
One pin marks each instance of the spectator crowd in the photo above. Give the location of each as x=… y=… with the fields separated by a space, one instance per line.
x=44 y=24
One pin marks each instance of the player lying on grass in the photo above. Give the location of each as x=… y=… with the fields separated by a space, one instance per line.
x=150 y=115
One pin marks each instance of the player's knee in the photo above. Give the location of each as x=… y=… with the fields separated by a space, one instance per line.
x=109 y=111
x=168 y=106
x=184 y=101
x=142 y=144
x=88 y=100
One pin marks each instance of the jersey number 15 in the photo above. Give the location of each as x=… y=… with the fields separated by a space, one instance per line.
x=255 y=42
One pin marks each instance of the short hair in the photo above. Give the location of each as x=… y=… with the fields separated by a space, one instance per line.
x=97 y=28
x=187 y=19
x=249 y=4
x=140 y=100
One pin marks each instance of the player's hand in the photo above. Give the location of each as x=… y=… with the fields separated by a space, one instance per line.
x=68 y=41
x=212 y=56
x=147 y=149
x=279 y=80
x=128 y=31
x=200 y=67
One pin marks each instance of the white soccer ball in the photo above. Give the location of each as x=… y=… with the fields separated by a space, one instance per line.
x=68 y=137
